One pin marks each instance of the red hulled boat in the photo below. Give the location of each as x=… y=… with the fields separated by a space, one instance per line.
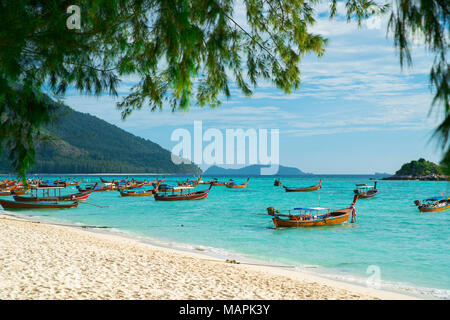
x=6 y=204
x=169 y=195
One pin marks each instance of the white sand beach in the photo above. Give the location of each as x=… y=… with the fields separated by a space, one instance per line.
x=45 y=261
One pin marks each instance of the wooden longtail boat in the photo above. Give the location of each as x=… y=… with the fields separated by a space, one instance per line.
x=95 y=188
x=18 y=191
x=138 y=192
x=232 y=185
x=8 y=188
x=364 y=191
x=164 y=187
x=36 y=205
x=220 y=184
x=166 y=196
x=5 y=184
x=53 y=185
x=106 y=181
x=208 y=182
x=151 y=183
x=7 y=191
x=33 y=184
x=312 y=188
x=312 y=217
x=75 y=183
x=130 y=186
x=118 y=183
x=435 y=204
x=189 y=183
x=10 y=191
x=80 y=196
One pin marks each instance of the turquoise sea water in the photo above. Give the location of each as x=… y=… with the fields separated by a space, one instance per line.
x=411 y=250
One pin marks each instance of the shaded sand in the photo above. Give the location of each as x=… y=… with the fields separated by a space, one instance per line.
x=43 y=261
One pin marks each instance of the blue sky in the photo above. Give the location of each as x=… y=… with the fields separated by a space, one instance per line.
x=356 y=111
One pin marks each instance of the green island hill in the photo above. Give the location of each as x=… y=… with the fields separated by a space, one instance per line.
x=81 y=143
x=419 y=170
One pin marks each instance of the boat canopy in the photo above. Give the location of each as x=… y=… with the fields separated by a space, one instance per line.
x=312 y=209
x=436 y=198
x=138 y=189
x=167 y=187
x=49 y=188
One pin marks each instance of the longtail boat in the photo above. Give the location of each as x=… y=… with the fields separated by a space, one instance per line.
x=18 y=191
x=233 y=185
x=364 y=191
x=167 y=187
x=80 y=196
x=10 y=191
x=208 y=182
x=132 y=185
x=75 y=183
x=96 y=188
x=6 y=193
x=138 y=192
x=434 y=204
x=220 y=184
x=189 y=183
x=311 y=188
x=107 y=181
x=33 y=184
x=5 y=184
x=36 y=205
x=169 y=195
x=277 y=182
x=312 y=217
x=151 y=183
x=55 y=184
x=8 y=188
x=172 y=188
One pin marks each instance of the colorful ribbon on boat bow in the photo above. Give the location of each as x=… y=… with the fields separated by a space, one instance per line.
x=353 y=214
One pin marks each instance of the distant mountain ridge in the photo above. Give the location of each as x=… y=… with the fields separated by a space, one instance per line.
x=82 y=143
x=252 y=170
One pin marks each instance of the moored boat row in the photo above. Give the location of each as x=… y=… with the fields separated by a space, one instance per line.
x=183 y=191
